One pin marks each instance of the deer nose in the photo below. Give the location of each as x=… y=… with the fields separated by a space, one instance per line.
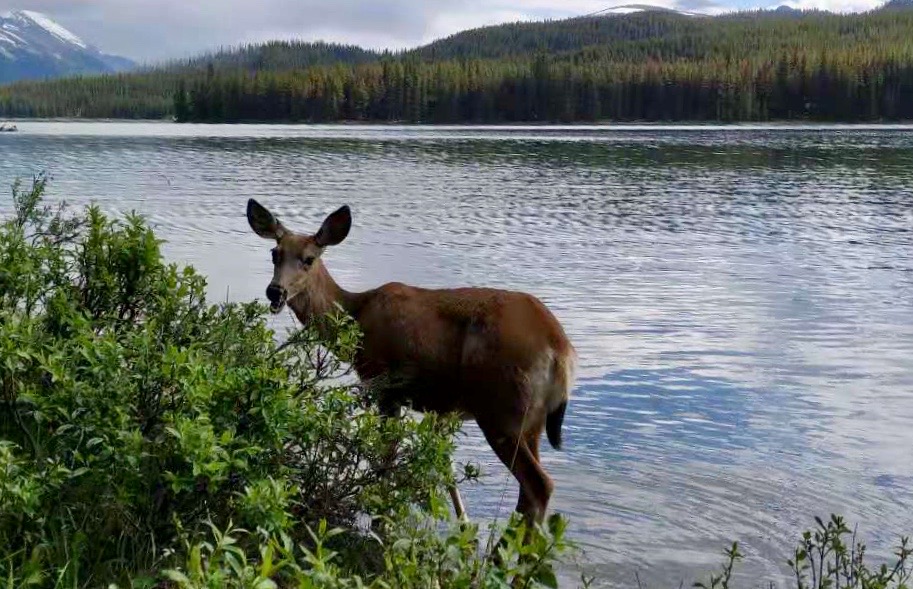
x=274 y=293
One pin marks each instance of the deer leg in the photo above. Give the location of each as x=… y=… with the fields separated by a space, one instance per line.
x=532 y=440
x=458 y=506
x=520 y=454
x=535 y=484
x=525 y=504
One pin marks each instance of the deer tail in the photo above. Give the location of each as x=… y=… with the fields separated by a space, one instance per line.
x=565 y=365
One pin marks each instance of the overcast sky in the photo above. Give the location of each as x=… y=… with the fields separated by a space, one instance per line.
x=151 y=30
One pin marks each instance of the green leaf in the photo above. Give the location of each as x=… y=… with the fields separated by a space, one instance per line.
x=176 y=576
x=547 y=577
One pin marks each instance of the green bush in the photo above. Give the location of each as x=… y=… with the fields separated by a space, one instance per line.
x=830 y=557
x=149 y=438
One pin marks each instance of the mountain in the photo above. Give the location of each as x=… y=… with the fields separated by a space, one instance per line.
x=784 y=10
x=893 y=5
x=276 y=56
x=630 y=22
x=32 y=46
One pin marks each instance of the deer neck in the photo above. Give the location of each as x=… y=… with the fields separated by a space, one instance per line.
x=321 y=296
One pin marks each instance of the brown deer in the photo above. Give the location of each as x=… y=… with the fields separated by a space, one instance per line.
x=497 y=356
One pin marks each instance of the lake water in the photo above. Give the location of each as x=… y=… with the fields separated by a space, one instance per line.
x=741 y=299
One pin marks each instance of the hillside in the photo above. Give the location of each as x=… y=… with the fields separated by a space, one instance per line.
x=32 y=46
x=148 y=93
x=274 y=56
x=638 y=65
x=525 y=38
x=895 y=5
x=656 y=33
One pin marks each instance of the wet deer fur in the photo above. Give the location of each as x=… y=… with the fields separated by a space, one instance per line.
x=496 y=356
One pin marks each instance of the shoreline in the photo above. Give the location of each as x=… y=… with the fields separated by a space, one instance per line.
x=558 y=126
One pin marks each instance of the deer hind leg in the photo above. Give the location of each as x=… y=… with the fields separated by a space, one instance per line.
x=526 y=504
x=519 y=452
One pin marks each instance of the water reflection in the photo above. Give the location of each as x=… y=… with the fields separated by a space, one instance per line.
x=631 y=408
x=740 y=299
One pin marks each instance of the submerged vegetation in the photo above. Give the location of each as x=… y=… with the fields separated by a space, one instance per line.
x=151 y=439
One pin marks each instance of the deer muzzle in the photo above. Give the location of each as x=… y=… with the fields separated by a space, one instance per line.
x=277 y=297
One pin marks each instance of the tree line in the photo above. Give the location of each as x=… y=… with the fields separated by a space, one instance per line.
x=793 y=86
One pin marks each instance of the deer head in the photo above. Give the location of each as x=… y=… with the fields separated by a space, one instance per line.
x=296 y=256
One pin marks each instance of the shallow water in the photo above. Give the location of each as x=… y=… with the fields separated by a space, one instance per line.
x=741 y=298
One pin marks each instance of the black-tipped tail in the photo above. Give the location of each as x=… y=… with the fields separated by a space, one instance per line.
x=553 y=423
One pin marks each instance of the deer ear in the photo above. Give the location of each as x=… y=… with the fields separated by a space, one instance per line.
x=263 y=222
x=335 y=228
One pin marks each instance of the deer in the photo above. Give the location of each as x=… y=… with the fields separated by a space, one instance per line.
x=499 y=357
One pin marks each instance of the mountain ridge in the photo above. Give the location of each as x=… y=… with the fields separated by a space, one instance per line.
x=34 y=46
x=897 y=5
x=30 y=59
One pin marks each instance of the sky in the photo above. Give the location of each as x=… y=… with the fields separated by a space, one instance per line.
x=153 y=30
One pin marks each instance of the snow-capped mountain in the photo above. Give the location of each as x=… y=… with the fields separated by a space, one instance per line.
x=32 y=46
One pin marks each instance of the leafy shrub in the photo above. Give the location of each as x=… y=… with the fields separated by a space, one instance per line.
x=830 y=557
x=414 y=557
x=143 y=430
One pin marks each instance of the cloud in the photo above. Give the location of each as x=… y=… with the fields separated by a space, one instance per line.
x=154 y=29
x=835 y=5
x=704 y=6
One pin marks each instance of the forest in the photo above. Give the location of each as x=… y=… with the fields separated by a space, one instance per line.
x=648 y=66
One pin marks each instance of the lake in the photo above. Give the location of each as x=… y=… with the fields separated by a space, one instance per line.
x=741 y=299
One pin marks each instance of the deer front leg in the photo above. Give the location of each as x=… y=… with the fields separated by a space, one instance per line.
x=458 y=508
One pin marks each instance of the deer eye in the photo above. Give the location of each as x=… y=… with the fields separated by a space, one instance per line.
x=307 y=261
